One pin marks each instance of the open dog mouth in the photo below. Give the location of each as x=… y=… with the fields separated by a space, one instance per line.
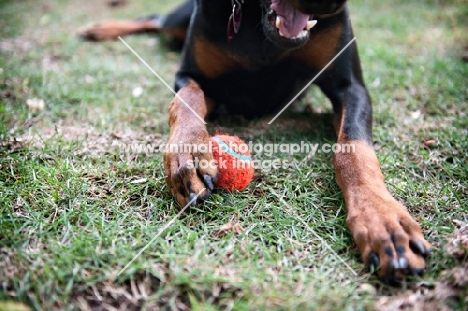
x=289 y=22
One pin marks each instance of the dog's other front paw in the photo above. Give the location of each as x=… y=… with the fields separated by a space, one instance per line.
x=390 y=240
x=190 y=169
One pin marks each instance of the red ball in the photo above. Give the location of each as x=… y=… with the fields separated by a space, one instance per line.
x=234 y=161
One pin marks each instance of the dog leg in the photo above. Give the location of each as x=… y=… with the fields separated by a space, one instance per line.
x=184 y=177
x=387 y=236
x=173 y=24
x=111 y=30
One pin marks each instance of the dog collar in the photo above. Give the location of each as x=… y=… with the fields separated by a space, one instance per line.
x=235 y=19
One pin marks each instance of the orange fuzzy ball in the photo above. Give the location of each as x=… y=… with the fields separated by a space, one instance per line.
x=235 y=165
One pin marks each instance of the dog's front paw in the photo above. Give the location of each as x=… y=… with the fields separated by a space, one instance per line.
x=190 y=169
x=390 y=240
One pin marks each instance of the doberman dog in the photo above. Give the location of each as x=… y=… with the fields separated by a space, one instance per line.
x=250 y=56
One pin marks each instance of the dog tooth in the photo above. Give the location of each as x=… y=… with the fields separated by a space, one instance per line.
x=311 y=24
x=301 y=35
x=278 y=22
x=281 y=34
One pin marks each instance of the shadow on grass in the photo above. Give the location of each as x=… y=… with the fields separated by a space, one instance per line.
x=290 y=127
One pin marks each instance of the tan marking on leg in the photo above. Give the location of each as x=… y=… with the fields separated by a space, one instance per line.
x=182 y=176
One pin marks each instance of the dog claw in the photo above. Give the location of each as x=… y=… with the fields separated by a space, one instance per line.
x=418 y=247
x=396 y=264
x=403 y=263
x=191 y=198
x=374 y=262
x=208 y=182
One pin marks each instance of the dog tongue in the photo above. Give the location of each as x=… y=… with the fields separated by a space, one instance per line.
x=291 y=20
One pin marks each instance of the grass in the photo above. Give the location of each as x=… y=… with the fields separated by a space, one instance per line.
x=74 y=211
